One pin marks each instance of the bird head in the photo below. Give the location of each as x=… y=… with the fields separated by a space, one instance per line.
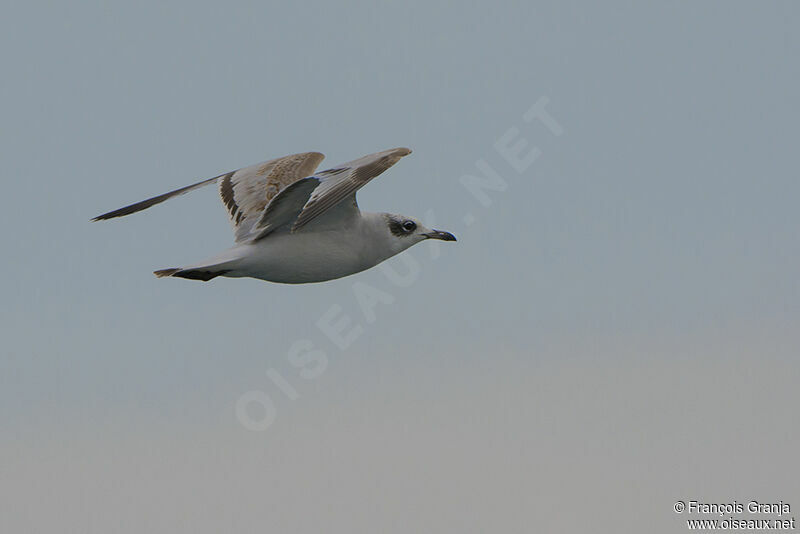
x=404 y=231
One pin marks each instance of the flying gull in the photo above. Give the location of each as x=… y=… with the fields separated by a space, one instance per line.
x=293 y=225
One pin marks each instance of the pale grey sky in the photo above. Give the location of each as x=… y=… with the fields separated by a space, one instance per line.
x=614 y=331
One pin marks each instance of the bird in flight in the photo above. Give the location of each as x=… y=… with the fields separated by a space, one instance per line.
x=293 y=225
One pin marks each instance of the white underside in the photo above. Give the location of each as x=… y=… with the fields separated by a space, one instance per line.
x=313 y=255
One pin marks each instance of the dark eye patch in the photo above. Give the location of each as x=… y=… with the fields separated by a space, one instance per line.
x=401 y=228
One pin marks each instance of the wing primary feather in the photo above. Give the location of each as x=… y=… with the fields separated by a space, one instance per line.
x=144 y=204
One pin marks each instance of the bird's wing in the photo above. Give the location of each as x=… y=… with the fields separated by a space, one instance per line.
x=244 y=192
x=344 y=180
x=307 y=199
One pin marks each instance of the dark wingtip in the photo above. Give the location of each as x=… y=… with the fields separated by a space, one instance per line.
x=144 y=204
x=127 y=210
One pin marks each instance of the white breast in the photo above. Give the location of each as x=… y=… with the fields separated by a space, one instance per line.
x=305 y=257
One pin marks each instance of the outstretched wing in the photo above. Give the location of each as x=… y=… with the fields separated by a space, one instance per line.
x=307 y=199
x=244 y=192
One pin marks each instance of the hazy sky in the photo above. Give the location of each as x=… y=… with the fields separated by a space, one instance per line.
x=616 y=328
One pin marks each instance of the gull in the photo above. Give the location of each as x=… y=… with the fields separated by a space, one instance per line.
x=293 y=225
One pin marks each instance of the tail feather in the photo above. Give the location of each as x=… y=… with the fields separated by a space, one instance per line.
x=192 y=274
x=166 y=272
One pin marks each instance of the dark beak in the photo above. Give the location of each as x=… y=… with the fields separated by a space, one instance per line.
x=439 y=234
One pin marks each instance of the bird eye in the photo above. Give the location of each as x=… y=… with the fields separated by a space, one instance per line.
x=409 y=226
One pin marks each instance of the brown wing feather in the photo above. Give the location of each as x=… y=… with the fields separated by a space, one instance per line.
x=246 y=192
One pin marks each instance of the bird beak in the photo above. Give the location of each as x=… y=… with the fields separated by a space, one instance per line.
x=439 y=234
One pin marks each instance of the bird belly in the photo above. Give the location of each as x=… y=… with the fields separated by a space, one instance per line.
x=303 y=258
